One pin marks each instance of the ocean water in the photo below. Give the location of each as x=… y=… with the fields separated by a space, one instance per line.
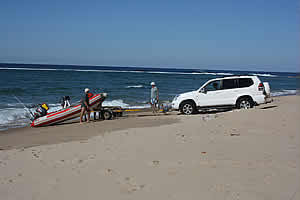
x=128 y=87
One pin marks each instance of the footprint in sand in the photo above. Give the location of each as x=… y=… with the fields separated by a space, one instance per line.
x=11 y=179
x=224 y=191
x=155 y=162
x=109 y=171
x=128 y=185
x=2 y=163
x=83 y=160
x=92 y=157
x=80 y=161
x=181 y=137
x=35 y=155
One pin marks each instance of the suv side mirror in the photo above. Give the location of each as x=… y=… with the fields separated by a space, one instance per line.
x=203 y=90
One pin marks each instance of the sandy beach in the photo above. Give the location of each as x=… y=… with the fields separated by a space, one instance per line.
x=239 y=154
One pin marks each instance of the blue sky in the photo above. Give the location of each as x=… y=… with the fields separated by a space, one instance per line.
x=215 y=34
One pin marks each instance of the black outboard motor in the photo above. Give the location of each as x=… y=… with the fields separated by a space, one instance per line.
x=65 y=101
x=166 y=107
x=41 y=110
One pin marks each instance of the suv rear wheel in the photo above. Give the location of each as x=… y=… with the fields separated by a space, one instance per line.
x=245 y=103
x=187 y=108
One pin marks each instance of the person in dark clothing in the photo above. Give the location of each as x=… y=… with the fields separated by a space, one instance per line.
x=85 y=105
x=65 y=101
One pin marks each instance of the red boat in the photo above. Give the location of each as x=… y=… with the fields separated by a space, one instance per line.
x=67 y=113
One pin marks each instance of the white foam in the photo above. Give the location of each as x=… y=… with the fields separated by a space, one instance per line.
x=208 y=73
x=118 y=102
x=134 y=86
x=121 y=103
x=225 y=74
x=193 y=73
x=19 y=117
x=139 y=107
x=265 y=75
x=14 y=116
x=285 y=92
x=54 y=107
x=215 y=74
x=153 y=72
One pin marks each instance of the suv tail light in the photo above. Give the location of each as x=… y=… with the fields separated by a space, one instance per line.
x=261 y=87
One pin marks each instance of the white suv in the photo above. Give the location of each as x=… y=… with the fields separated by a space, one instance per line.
x=235 y=91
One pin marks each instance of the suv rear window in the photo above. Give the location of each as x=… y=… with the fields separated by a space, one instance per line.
x=245 y=82
x=229 y=84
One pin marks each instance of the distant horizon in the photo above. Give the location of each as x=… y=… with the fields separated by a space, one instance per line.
x=142 y=67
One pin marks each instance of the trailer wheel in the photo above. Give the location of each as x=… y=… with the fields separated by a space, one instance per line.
x=107 y=115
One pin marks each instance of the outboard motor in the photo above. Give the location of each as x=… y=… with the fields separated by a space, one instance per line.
x=65 y=101
x=166 y=107
x=41 y=110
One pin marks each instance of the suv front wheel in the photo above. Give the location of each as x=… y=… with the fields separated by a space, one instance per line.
x=187 y=108
x=245 y=103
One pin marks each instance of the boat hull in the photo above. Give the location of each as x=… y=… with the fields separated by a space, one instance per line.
x=66 y=113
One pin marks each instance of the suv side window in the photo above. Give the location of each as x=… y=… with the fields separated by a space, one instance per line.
x=245 y=82
x=213 y=86
x=229 y=84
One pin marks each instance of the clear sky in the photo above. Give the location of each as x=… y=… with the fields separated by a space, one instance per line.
x=211 y=34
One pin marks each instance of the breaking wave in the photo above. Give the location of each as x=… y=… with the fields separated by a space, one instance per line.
x=121 y=103
x=285 y=93
x=265 y=75
x=134 y=86
x=194 y=73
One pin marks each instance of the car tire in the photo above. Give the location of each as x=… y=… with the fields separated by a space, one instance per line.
x=187 y=108
x=107 y=115
x=245 y=103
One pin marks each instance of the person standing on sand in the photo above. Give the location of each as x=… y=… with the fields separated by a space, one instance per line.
x=154 y=97
x=85 y=103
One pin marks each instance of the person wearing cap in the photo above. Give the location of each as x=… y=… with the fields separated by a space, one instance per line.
x=85 y=103
x=154 y=97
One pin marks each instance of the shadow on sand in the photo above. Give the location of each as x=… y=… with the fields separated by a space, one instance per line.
x=74 y=122
x=268 y=107
x=214 y=111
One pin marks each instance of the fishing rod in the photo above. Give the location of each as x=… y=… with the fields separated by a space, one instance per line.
x=27 y=109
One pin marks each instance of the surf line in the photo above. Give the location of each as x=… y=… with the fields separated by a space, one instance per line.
x=31 y=114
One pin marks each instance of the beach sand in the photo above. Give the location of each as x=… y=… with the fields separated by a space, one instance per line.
x=240 y=154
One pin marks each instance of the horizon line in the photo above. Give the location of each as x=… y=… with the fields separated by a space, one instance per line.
x=85 y=65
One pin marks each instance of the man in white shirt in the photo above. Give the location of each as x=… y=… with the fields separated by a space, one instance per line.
x=154 y=97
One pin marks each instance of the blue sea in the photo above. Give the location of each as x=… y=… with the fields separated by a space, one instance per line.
x=128 y=87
